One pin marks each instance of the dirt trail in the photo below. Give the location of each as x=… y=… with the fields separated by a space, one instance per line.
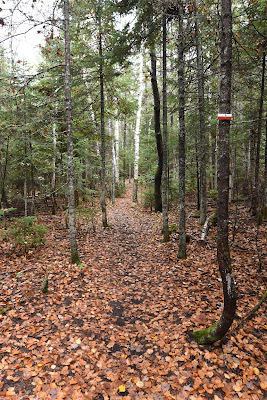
x=118 y=325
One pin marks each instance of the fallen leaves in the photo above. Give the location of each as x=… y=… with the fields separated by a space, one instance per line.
x=119 y=326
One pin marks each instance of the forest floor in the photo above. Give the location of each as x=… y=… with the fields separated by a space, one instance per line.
x=119 y=325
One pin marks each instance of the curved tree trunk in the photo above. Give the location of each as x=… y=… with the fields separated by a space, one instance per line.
x=158 y=174
x=71 y=202
x=220 y=328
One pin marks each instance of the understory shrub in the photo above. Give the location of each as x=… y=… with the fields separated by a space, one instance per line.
x=25 y=232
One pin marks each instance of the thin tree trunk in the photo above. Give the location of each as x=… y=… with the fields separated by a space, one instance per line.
x=124 y=151
x=3 y=196
x=113 y=151
x=181 y=90
x=165 y=223
x=197 y=168
x=256 y=192
x=103 y=136
x=156 y=97
x=264 y=213
x=25 y=188
x=220 y=328
x=137 y=129
x=71 y=200
x=53 y=181
x=116 y=148
x=202 y=123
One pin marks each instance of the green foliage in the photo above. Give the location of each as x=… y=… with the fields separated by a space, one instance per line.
x=148 y=198
x=213 y=194
x=214 y=219
x=26 y=233
x=86 y=215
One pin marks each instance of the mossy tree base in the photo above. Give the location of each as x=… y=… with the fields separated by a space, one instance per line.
x=207 y=336
x=181 y=255
x=45 y=285
x=75 y=259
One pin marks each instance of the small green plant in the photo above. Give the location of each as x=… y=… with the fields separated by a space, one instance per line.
x=213 y=194
x=4 y=212
x=87 y=215
x=26 y=233
x=172 y=229
x=148 y=198
x=214 y=219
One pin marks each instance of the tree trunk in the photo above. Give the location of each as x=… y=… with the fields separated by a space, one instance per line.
x=3 y=163
x=53 y=181
x=116 y=148
x=202 y=123
x=71 y=202
x=103 y=136
x=220 y=328
x=255 y=206
x=165 y=223
x=158 y=174
x=124 y=151
x=181 y=90
x=110 y=128
x=264 y=212
x=137 y=129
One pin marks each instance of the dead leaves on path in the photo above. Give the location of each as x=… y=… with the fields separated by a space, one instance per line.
x=118 y=326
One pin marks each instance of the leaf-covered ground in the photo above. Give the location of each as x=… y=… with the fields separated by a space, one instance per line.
x=119 y=325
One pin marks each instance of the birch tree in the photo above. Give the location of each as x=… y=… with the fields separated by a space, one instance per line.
x=137 y=127
x=71 y=202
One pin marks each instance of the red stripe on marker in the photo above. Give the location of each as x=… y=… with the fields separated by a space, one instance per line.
x=225 y=116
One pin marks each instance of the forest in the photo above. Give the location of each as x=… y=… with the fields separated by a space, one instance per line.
x=133 y=199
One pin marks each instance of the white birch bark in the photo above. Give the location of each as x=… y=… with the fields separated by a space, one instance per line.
x=53 y=180
x=116 y=152
x=137 y=127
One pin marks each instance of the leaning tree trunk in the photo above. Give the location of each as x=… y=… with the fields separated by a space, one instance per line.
x=181 y=90
x=103 y=136
x=202 y=123
x=158 y=174
x=165 y=222
x=220 y=328
x=137 y=129
x=71 y=202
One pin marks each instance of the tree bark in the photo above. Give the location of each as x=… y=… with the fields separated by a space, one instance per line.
x=71 y=201
x=255 y=206
x=103 y=136
x=165 y=223
x=137 y=129
x=220 y=328
x=264 y=212
x=202 y=122
x=53 y=181
x=181 y=90
x=156 y=98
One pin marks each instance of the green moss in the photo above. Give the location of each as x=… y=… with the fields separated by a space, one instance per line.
x=214 y=219
x=206 y=336
x=45 y=285
x=75 y=259
x=181 y=255
x=3 y=311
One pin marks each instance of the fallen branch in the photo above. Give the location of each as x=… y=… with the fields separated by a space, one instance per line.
x=16 y=272
x=250 y=315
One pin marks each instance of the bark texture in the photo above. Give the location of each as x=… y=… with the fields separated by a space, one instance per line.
x=165 y=224
x=156 y=97
x=220 y=328
x=137 y=129
x=181 y=91
x=71 y=202
x=202 y=122
x=103 y=135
